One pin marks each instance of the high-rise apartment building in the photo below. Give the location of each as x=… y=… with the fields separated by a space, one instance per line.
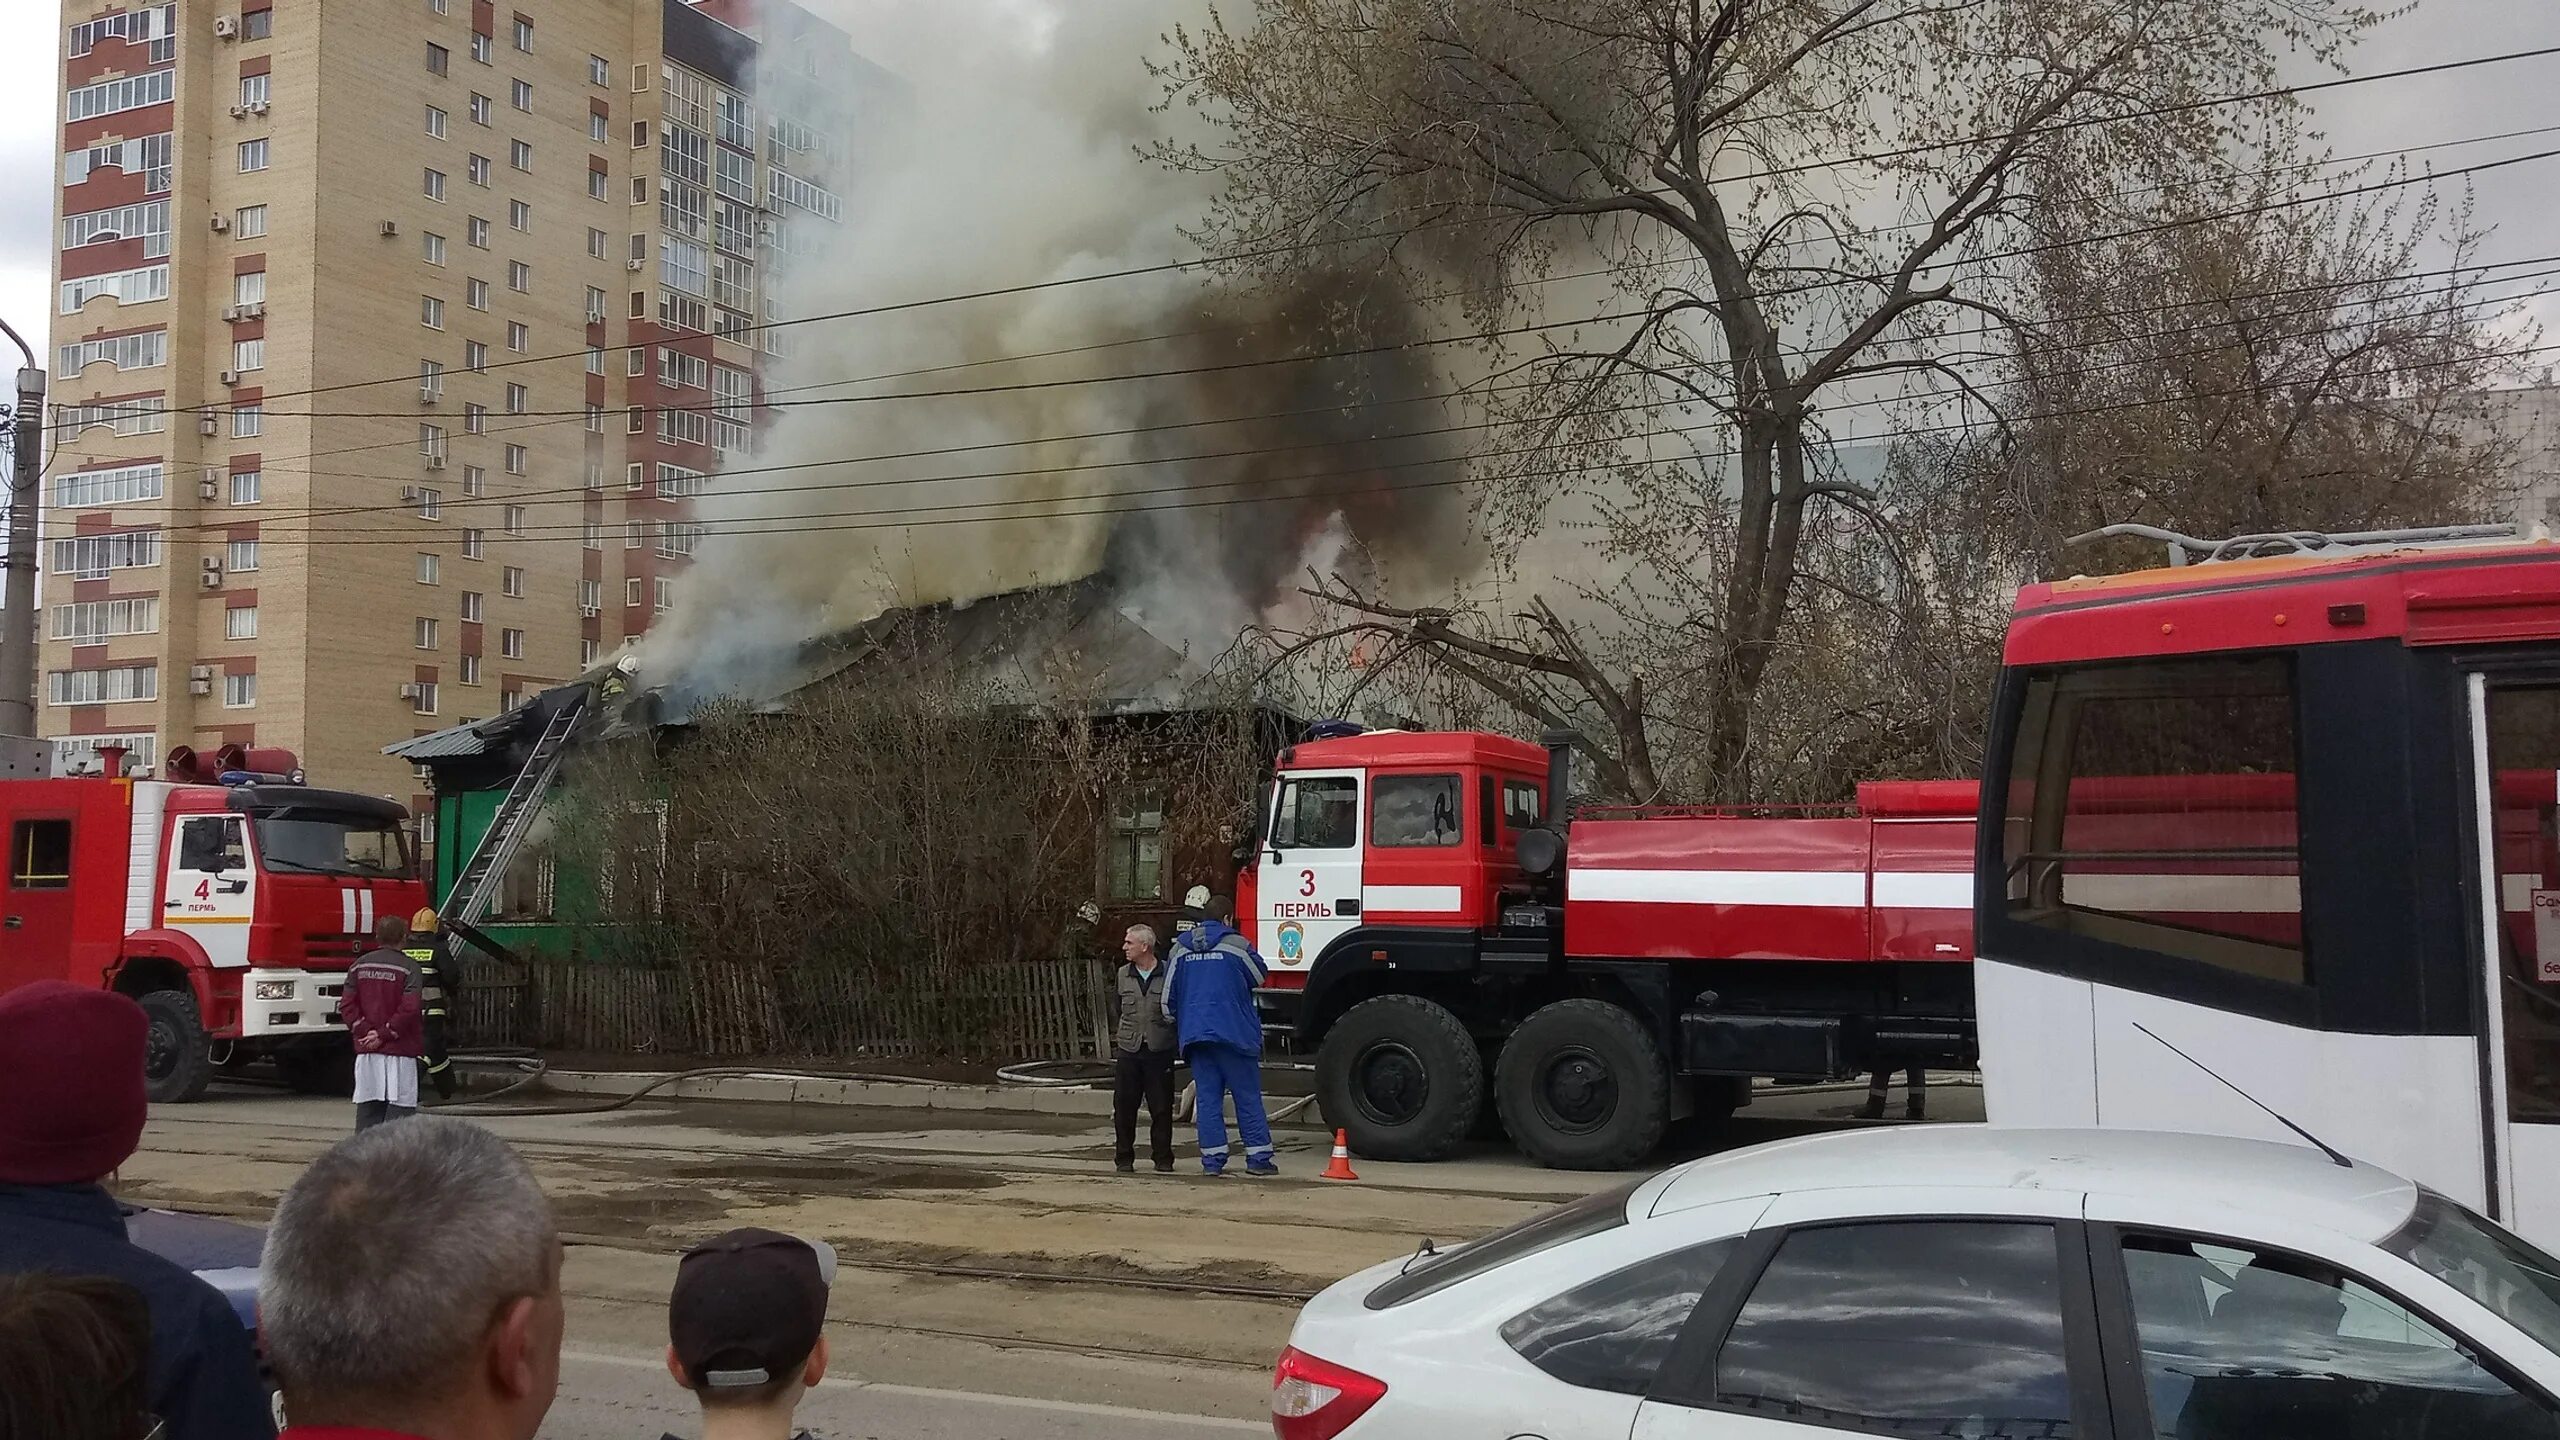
x=393 y=337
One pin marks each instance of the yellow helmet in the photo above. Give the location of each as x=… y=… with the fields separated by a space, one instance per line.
x=423 y=923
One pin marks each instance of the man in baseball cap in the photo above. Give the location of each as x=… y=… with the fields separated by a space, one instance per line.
x=746 y=1329
x=71 y=1113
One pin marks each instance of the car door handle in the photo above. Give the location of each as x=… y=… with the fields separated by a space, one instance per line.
x=1346 y=907
x=14 y=921
x=174 y=905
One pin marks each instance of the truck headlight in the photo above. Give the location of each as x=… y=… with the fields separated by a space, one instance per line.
x=275 y=989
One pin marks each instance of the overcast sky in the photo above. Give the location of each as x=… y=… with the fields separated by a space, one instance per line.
x=2522 y=201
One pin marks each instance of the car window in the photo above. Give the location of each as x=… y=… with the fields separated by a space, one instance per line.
x=1614 y=1332
x=2240 y=1344
x=1317 y=814
x=1545 y=1230
x=2510 y=1278
x=1935 y=1328
x=1414 y=810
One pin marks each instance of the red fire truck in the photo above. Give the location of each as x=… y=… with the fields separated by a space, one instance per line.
x=1450 y=955
x=227 y=899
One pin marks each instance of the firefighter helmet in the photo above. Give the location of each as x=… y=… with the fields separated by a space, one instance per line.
x=423 y=923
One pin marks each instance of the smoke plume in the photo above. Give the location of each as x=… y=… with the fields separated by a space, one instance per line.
x=1012 y=158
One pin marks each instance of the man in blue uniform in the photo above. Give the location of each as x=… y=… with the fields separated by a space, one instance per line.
x=1210 y=996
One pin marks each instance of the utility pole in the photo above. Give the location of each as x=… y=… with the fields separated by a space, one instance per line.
x=18 y=593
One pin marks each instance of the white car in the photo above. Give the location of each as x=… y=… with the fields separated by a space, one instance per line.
x=1954 y=1281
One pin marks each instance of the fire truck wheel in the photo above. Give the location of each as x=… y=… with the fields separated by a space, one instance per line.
x=177 y=1060
x=1582 y=1087
x=1402 y=1076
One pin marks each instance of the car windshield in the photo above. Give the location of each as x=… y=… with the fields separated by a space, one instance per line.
x=1427 y=1274
x=324 y=844
x=2515 y=1281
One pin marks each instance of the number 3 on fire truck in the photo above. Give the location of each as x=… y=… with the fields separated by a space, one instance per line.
x=1306 y=882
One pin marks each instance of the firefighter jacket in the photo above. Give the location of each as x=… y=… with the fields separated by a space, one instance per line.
x=436 y=996
x=1138 y=1018
x=383 y=1005
x=1210 y=993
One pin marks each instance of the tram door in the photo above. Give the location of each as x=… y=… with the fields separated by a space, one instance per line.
x=2515 y=737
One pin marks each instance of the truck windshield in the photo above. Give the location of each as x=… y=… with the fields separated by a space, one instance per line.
x=2515 y=1281
x=323 y=844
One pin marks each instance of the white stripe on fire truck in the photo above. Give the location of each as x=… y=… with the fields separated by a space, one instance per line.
x=142 y=869
x=1902 y=890
x=1413 y=899
x=346 y=911
x=1813 y=888
x=364 y=911
x=1911 y=890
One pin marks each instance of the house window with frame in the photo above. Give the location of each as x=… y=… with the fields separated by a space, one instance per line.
x=258 y=25
x=1133 y=858
x=254 y=90
x=470 y=669
x=511 y=582
x=483 y=48
x=239 y=689
x=511 y=644
x=473 y=544
x=253 y=155
x=472 y=606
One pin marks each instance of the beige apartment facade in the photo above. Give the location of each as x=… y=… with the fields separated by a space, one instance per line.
x=387 y=356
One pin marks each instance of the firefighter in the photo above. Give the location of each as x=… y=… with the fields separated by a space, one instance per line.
x=1082 y=934
x=425 y=948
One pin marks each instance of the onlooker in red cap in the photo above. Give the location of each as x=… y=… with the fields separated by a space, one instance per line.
x=75 y=1356
x=746 y=1330
x=71 y=1113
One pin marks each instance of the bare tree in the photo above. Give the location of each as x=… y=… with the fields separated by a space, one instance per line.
x=1788 y=202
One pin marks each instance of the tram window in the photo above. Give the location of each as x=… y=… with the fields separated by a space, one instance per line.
x=2152 y=806
x=2524 y=754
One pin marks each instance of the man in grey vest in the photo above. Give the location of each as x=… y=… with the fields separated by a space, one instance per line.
x=1143 y=1045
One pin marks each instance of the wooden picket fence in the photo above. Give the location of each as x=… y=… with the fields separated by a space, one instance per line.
x=999 y=1011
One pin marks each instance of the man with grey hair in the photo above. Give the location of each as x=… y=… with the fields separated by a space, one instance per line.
x=1142 y=1042
x=411 y=1287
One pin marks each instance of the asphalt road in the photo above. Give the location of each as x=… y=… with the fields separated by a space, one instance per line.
x=622 y=1397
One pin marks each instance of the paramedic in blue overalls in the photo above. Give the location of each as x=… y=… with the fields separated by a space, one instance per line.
x=1210 y=995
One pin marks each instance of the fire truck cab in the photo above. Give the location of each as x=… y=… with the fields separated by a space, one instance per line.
x=1454 y=957
x=228 y=905
x=2273 y=830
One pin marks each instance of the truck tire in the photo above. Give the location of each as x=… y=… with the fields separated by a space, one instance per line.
x=1402 y=1076
x=1583 y=1087
x=177 y=1061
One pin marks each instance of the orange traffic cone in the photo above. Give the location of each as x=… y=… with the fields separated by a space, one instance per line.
x=1340 y=1169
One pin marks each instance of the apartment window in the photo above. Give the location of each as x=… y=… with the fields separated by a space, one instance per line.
x=476 y=231
x=511 y=644
x=425 y=633
x=522 y=96
x=520 y=155
x=515 y=399
x=472 y=606
x=639 y=190
x=524 y=35
x=431 y=312
x=129 y=287
x=598 y=187
x=119 y=486
x=436 y=5
x=430 y=569
x=517 y=336
x=631 y=591
x=597 y=73
x=475 y=479
x=102 y=687
x=431 y=247
x=431 y=441
x=430 y=380
x=479 y=109
x=439 y=60
x=591 y=535
x=595 y=359
x=639 y=79
x=247 y=487
x=248 y=421
x=471 y=544
x=511 y=581
x=519 y=215
x=514 y=521
x=595 y=308
x=430 y=504
x=635 y=477
x=483 y=48
x=258 y=25
x=253 y=90
x=590 y=594
x=597 y=129
x=597 y=241
x=639 y=251
x=635 y=362
x=422 y=697
x=478 y=169
x=240 y=622
x=240 y=555
x=239 y=690
x=475 y=293
x=434 y=185
x=595 y=418
x=475 y=356
x=515 y=459
x=249 y=288
x=588 y=652
x=519 y=276
x=663 y=593
x=475 y=419
x=253 y=155
x=248 y=355
x=639 y=134
x=470 y=669
x=249 y=222
x=632 y=539
x=91 y=621
x=436 y=122
x=635 y=420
